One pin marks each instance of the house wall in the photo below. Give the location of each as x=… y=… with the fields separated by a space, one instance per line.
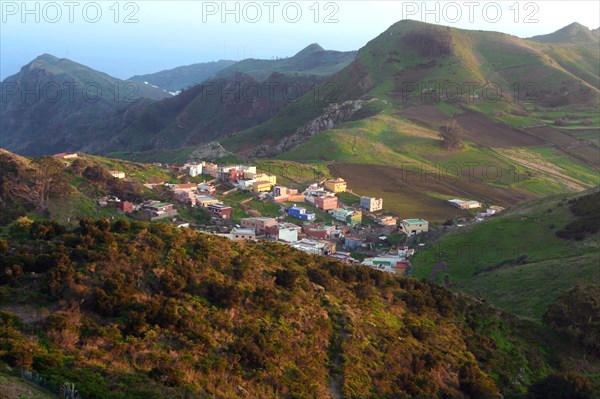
x=259 y=225
x=337 y=186
x=326 y=203
x=415 y=228
x=287 y=234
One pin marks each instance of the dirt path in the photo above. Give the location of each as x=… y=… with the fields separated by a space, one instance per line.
x=336 y=373
x=244 y=206
x=523 y=157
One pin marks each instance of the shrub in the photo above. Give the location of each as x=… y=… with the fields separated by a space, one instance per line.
x=561 y=386
x=286 y=278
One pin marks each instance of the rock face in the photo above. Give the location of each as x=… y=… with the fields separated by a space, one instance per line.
x=212 y=150
x=332 y=116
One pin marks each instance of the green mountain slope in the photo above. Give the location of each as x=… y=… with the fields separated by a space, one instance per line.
x=516 y=260
x=386 y=108
x=416 y=63
x=183 y=77
x=149 y=310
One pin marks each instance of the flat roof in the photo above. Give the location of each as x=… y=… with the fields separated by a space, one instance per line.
x=219 y=206
x=205 y=198
x=243 y=231
x=159 y=205
x=415 y=221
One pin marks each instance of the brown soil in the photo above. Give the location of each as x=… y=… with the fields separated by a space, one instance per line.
x=410 y=193
x=482 y=130
x=425 y=115
x=555 y=136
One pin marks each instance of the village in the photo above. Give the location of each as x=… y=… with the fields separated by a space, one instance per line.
x=326 y=218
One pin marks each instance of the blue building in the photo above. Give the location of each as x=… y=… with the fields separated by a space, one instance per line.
x=300 y=213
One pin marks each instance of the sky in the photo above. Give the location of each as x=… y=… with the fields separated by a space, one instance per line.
x=126 y=38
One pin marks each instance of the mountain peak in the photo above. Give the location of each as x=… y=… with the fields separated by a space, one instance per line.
x=572 y=33
x=310 y=49
x=42 y=60
x=46 y=57
x=573 y=29
x=575 y=25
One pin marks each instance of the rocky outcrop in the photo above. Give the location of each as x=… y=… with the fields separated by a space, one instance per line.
x=212 y=150
x=332 y=116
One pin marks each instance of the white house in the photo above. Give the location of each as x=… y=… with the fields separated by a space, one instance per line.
x=462 y=204
x=288 y=232
x=194 y=169
x=371 y=204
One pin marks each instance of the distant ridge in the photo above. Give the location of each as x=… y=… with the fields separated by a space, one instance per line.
x=312 y=60
x=184 y=76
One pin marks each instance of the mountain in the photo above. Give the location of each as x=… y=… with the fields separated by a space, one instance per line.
x=125 y=309
x=182 y=77
x=208 y=111
x=413 y=63
x=243 y=95
x=129 y=121
x=312 y=60
x=55 y=105
x=377 y=122
x=575 y=48
x=573 y=33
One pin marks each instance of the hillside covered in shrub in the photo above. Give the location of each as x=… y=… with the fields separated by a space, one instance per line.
x=137 y=310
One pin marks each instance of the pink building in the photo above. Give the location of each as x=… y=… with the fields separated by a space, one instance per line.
x=326 y=203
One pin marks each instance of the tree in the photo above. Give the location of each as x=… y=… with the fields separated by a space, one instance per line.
x=450 y=132
x=39 y=183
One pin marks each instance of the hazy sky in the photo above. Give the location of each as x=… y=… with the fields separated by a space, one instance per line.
x=128 y=38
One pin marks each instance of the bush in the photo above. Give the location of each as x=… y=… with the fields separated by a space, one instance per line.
x=577 y=313
x=561 y=122
x=286 y=278
x=561 y=386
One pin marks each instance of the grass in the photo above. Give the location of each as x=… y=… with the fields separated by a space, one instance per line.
x=293 y=174
x=576 y=114
x=493 y=242
x=528 y=289
x=448 y=109
x=266 y=209
x=178 y=156
x=142 y=172
x=196 y=215
x=74 y=207
x=233 y=201
x=348 y=199
x=570 y=166
x=514 y=260
x=14 y=387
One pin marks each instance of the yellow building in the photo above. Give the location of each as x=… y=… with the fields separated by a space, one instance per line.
x=264 y=177
x=204 y=201
x=336 y=185
x=262 y=186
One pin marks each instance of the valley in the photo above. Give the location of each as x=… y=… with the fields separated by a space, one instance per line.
x=418 y=218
